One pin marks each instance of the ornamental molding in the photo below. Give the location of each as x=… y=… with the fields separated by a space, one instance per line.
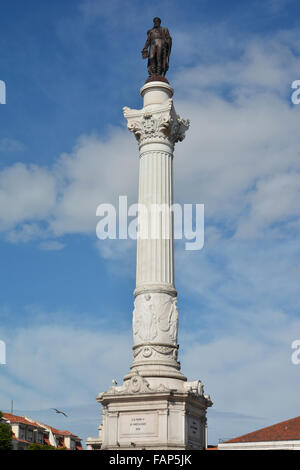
x=139 y=385
x=195 y=388
x=148 y=288
x=156 y=124
x=136 y=385
x=153 y=351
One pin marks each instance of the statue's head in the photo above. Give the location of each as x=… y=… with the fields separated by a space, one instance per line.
x=156 y=22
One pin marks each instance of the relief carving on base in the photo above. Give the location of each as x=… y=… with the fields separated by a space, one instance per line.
x=155 y=317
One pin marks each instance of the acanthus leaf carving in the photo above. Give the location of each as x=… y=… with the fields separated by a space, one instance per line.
x=160 y=123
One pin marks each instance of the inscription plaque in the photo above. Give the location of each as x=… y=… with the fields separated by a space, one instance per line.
x=194 y=427
x=138 y=424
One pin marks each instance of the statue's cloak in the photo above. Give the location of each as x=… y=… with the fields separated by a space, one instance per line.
x=167 y=46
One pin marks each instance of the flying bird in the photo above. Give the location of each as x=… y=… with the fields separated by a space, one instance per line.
x=114 y=382
x=59 y=412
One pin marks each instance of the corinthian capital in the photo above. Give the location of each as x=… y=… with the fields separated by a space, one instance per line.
x=156 y=124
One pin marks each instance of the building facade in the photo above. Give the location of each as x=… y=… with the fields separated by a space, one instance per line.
x=280 y=436
x=26 y=431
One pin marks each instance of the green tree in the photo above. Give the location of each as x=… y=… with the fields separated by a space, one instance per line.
x=40 y=447
x=5 y=435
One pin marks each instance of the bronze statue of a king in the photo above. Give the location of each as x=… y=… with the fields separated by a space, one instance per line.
x=157 y=49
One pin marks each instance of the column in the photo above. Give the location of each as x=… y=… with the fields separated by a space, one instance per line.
x=157 y=128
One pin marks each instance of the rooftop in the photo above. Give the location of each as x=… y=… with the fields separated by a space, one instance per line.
x=285 y=431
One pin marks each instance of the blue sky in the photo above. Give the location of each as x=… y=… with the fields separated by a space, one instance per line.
x=69 y=68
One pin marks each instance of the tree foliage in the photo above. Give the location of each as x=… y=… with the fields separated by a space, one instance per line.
x=36 y=446
x=5 y=435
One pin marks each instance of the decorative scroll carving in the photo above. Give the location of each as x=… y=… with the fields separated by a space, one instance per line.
x=156 y=124
x=195 y=387
x=137 y=384
x=162 y=388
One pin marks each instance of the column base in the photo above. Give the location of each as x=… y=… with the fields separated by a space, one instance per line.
x=137 y=416
x=156 y=374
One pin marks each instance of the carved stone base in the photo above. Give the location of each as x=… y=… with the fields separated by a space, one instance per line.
x=156 y=78
x=137 y=416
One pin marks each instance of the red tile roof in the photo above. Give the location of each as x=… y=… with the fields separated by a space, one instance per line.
x=54 y=430
x=19 y=419
x=285 y=431
x=58 y=433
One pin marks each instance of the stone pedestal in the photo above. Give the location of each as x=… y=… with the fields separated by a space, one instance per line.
x=156 y=407
x=153 y=419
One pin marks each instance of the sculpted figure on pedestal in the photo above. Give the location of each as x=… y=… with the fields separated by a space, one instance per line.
x=157 y=49
x=144 y=319
x=153 y=314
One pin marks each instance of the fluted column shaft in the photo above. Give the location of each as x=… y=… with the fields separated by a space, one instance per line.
x=157 y=128
x=155 y=256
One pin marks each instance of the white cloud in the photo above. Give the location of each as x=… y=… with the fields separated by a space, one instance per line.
x=24 y=233
x=233 y=153
x=63 y=364
x=51 y=245
x=241 y=159
x=274 y=200
x=97 y=171
x=26 y=192
x=10 y=145
x=65 y=197
x=242 y=146
x=115 y=249
x=58 y=363
x=249 y=373
x=229 y=274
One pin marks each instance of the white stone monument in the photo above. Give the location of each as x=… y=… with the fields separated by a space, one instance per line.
x=155 y=407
